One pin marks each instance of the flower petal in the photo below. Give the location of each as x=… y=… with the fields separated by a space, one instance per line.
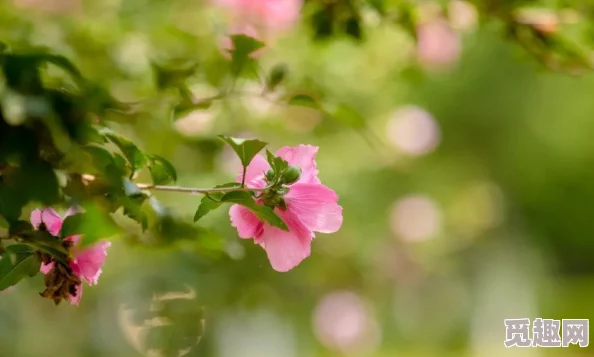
x=247 y=224
x=75 y=299
x=46 y=268
x=88 y=262
x=49 y=217
x=303 y=156
x=254 y=175
x=286 y=250
x=316 y=206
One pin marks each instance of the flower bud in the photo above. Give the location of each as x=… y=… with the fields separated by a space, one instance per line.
x=270 y=175
x=291 y=174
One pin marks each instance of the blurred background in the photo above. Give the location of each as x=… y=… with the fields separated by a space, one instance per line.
x=465 y=169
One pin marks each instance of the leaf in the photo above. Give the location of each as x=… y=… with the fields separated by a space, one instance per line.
x=277 y=164
x=161 y=170
x=135 y=157
x=276 y=76
x=186 y=107
x=166 y=76
x=18 y=261
x=93 y=224
x=246 y=150
x=265 y=213
x=243 y=47
x=212 y=201
x=303 y=100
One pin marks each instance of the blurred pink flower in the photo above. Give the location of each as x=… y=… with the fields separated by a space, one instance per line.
x=438 y=44
x=311 y=207
x=85 y=263
x=259 y=19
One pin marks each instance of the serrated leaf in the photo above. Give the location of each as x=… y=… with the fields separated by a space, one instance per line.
x=246 y=150
x=18 y=261
x=264 y=213
x=212 y=201
x=136 y=158
x=161 y=170
x=277 y=164
x=303 y=100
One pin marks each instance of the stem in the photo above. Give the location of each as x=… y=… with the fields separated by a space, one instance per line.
x=203 y=191
x=243 y=177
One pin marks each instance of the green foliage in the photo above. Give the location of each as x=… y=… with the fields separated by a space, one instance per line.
x=161 y=170
x=18 y=262
x=262 y=212
x=212 y=201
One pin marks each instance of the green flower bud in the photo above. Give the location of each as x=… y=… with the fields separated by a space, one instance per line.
x=270 y=175
x=291 y=174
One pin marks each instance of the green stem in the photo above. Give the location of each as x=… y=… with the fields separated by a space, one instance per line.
x=203 y=191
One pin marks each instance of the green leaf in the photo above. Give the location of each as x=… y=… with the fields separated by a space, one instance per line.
x=186 y=107
x=93 y=224
x=276 y=76
x=246 y=150
x=172 y=74
x=18 y=261
x=303 y=100
x=265 y=213
x=161 y=170
x=243 y=47
x=277 y=164
x=212 y=201
x=135 y=157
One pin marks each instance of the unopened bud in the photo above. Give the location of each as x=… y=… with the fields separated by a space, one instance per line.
x=270 y=175
x=291 y=174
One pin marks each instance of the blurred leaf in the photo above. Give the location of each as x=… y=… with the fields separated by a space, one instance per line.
x=135 y=157
x=263 y=212
x=243 y=47
x=185 y=108
x=212 y=201
x=18 y=261
x=353 y=28
x=174 y=74
x=303 y=100
x=93 y=224
x=277 y=76
x=161 y=170
x=246 y=150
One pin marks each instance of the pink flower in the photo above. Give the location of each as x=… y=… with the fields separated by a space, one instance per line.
x=438 y=45
x=273 y=15
x=259 y=19
x=311 y=207
x=85 y=263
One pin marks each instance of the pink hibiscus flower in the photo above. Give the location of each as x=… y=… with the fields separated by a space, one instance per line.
x=85 y=263
x=310 y=207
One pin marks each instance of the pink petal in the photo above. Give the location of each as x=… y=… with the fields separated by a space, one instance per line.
x=46 y=268
x=75 y=299
x=87 y=262
x=254 y=175
x=73 y=210
x=316 y=206
x=303 y=156
x=49 y=217
x=286 y=250
x=247 y=224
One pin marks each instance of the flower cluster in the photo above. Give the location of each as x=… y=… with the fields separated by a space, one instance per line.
x=64 y=281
